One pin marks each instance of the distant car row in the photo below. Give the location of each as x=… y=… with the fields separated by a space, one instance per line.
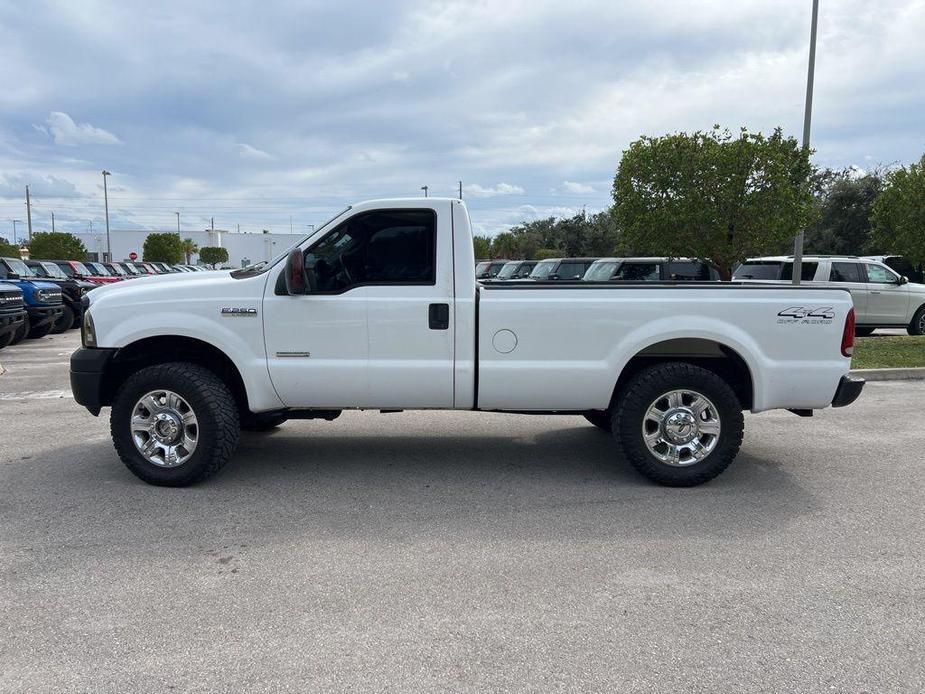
x=599 y=270
x=38 y=297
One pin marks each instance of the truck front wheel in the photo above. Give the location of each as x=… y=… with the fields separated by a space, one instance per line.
x=174 y=424
x=678 y=424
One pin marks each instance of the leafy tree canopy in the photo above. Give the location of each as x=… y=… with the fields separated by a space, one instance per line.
x=841 y=218
x=56 y=245
x=189 y=248
x=712 y=194
x=7 y=249
x=898 y=214
x=166 y=247
x=213 y=255
x=482 y=246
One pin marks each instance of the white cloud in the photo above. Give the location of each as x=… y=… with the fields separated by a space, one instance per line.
x=573 y=187
x=248 y=152
x=14 y=186
x=476 y=191
x=64 y=131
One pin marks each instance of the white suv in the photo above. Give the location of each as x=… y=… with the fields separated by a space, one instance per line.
x=882 y=298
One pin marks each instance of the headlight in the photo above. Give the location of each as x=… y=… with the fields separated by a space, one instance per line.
x=87 y=331
x=47 y=295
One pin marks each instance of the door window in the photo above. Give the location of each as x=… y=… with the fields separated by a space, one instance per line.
x=845 y=272
x=571 y=271
x=637 y=272
x=688 y=271
x=880 y=275
x=807 y=271
x=385 y=247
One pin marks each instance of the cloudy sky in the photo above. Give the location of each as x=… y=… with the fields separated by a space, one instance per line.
x=257 y=112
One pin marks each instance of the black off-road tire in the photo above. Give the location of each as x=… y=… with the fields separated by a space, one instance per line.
x=211 y=401
x=917 y=325
x=261 y=421
x=39 y=332
x=602 y=419
x=5 y=340
x=21 y=331
x=863 y=332
x=639 y=394
x=64 y=322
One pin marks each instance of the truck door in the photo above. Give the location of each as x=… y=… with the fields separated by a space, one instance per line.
x=409 y=275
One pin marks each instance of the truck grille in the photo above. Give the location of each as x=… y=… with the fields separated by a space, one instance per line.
x=10 y=301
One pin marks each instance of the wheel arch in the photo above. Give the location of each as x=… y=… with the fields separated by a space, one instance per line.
x=709 y=353
x=162 y=349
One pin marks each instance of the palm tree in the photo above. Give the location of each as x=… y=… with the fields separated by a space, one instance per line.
x=189 y=247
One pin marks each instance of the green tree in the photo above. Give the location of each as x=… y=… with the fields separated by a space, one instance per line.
x=7 y=249
x=712 y=195
x=56 y=245
x=841 y=220
x=504 y=245
x=898 y=215
x=544 y=253
x=213 y=255
x=189 y=249
x=163 y=248
x=482 y=247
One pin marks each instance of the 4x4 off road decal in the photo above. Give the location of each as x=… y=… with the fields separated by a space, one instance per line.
x=807 y=315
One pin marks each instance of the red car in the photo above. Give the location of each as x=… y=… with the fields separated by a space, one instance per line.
x=76 y=269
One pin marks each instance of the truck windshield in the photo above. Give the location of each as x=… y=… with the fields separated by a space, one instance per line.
x=544 y=269
x=600 y=272
x=508 y=270
x=52 y=270
x=19 y=267
x=81 y=269
x=100 y=270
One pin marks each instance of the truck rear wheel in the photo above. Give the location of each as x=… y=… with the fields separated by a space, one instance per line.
x=174 y=424
x=678 y=424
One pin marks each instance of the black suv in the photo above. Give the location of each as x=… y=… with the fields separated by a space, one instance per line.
x=71 y=289
x=561 y=269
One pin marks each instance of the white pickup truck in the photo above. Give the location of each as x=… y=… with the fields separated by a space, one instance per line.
x=379 y=309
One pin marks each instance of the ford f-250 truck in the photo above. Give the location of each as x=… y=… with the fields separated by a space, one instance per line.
x=379 y=309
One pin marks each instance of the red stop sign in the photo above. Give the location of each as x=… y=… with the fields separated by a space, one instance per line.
x=133 y=255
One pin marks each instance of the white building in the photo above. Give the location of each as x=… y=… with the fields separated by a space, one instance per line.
x=243 y=249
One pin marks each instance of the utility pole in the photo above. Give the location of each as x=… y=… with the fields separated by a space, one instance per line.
x=178 y=222
x=290 y=224
x=460 y=190
x=91 y=226
x=15 y=222
x=106 y=199
x=807 y=119
x=29 y=212
x=212 y=221
x=52 y=222
x=424 y=188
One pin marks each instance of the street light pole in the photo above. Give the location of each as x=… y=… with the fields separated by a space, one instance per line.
x=15 y=222
x=178 y=222
x=29 y=212
x=106 y=200
x=807 y=119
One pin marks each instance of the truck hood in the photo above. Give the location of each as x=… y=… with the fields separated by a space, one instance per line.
x=175 y=287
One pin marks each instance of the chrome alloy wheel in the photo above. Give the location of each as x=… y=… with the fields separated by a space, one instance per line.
x=681 y=427
x=164 y=428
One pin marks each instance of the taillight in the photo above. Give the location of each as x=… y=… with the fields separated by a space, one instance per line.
x=847 y=337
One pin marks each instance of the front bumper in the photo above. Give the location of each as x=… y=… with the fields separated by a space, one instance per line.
x=11 y=320
x=42 y=315
x=88 y=370
x=849 y=388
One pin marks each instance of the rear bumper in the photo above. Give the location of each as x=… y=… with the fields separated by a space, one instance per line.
x=88 y=368
x=849 y=388
x=41 y=315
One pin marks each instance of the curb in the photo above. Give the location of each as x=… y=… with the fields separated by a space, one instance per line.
x=909 y=374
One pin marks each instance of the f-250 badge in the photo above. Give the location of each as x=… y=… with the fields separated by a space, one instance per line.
x=239 y=312
x=806 y=315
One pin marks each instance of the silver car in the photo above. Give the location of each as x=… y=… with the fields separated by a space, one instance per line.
x=882 y=297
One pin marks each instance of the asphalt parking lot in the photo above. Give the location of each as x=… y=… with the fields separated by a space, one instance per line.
x=459 y=551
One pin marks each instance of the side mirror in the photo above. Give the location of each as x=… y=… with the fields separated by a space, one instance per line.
x=903 y=280
x=554 y=276
x=296 y=282
x=12 y=276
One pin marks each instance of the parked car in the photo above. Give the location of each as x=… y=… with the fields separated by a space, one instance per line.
x=564 y=269
x=43 y=302
x=72 y=290
x=77 y=270
x=102 y=270
x=390 y=324
x=901 y=266
x=516 y=270
x=12 y=312
x=164 y=268
x=651 y=270
x=488 y=269
x=116 y=270
x=882 y=298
